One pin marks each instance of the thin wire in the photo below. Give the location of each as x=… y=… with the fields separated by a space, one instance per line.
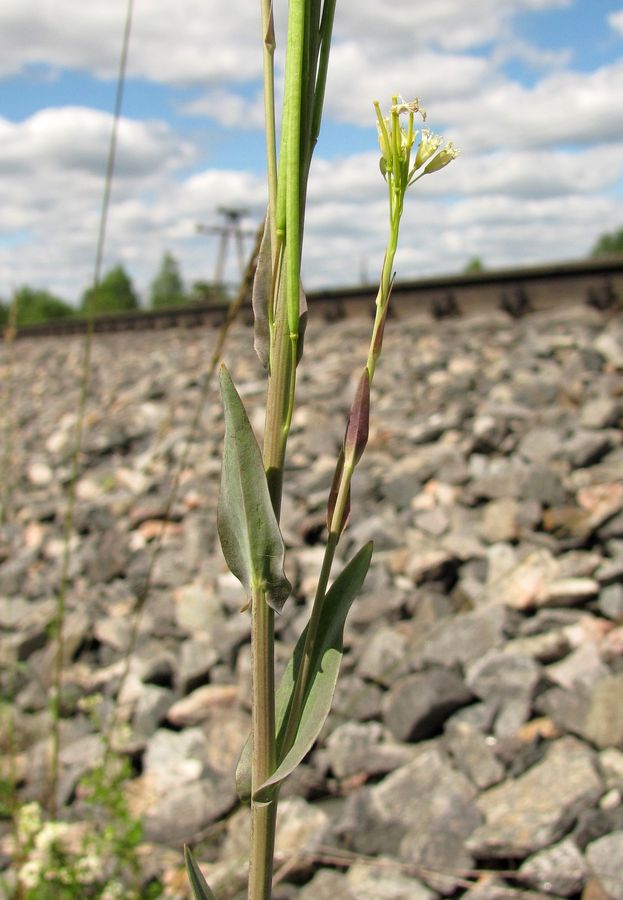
x=68 y=529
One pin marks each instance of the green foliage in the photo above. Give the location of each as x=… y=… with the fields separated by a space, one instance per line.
x=207 y=292
x=608 y=245
x=34 y=306
x=474 y=265
x=70 y=861
x=167 y=288
x=4 y=314
x=114 y=293
x=320 y=685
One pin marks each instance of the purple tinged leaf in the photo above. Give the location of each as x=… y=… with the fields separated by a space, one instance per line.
x=302 y=325
x=356 y=436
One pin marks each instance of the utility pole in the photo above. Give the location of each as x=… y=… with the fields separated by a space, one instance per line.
x=230 y=228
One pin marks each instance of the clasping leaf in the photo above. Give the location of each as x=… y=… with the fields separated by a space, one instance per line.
x=247 y=526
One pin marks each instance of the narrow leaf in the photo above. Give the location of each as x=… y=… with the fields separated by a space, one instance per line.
x=247 y=527
x=302 y=325
x=199 y=885
x=378 y=339
x=325 y=670
x=260 y=298
x=335 y=487
x=325 y=666
x=356 y=436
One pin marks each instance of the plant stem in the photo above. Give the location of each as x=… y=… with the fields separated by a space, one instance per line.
x=263 y=815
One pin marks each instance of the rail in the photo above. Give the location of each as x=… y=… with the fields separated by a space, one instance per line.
x=517 y=291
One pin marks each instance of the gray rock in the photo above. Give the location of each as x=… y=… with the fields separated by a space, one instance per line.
x=363 y=748
x=181 y=813
x=535 y=810
x=545 y=486
x=327 y=884
x=463 y=638
x=610 y=602
x=417 y=706
x=539 y=445
x=560 y=869
x=473 y=754
x=604 y=719
x=197 y=657
x=605 y=857
x=151 y=709
x=503 y=676
x=436 y=804
x=383 y=881
x=384 y=657
x=356 y=699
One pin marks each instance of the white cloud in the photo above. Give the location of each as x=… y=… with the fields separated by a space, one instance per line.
x=566 y=107
x=615 y=20
x=517 y=194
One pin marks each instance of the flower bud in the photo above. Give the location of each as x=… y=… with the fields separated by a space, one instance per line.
x=442 y=159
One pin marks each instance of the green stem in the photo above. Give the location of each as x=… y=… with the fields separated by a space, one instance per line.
x=263 y=815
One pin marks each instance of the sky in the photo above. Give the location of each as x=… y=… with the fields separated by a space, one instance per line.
x=531 y=91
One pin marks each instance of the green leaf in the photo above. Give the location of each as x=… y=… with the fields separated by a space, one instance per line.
x=262 y=286
x=323 y=674
x=199 y=885
x=322 y=677
x=247 y=527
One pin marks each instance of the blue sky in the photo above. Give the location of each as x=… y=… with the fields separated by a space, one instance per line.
x=529 y=89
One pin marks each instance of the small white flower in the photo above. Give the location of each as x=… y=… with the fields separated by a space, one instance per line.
x=429 y=145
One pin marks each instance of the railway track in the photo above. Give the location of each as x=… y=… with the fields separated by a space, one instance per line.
x=598 y=283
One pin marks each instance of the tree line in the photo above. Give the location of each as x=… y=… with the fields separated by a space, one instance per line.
x=114 y=293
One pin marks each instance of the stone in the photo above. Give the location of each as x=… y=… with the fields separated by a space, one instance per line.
x=197 y=657
x=436 y=805
x=539 y=445
x=473 y=754
x=610 y=602
x=531 y=812
x=500 y=520
x=559 y=869
x=460 y=639
x=198 y=705
x=183 y=811
x=605 y=857
x=327 y=884
x=364 y=748
x=500 y=676
x=384 y=881
x=417 y=706
x=604 y=718
x=525 y=586
x=384 y=658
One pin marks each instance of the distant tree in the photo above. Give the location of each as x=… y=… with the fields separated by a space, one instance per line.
x=207 y=292
x=474 y=265
x=608 y=245
x=4 y=314
x=114 y=293
x=33 y=306
x=167 y=288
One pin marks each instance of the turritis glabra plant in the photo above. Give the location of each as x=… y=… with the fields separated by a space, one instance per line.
x=286 y=719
